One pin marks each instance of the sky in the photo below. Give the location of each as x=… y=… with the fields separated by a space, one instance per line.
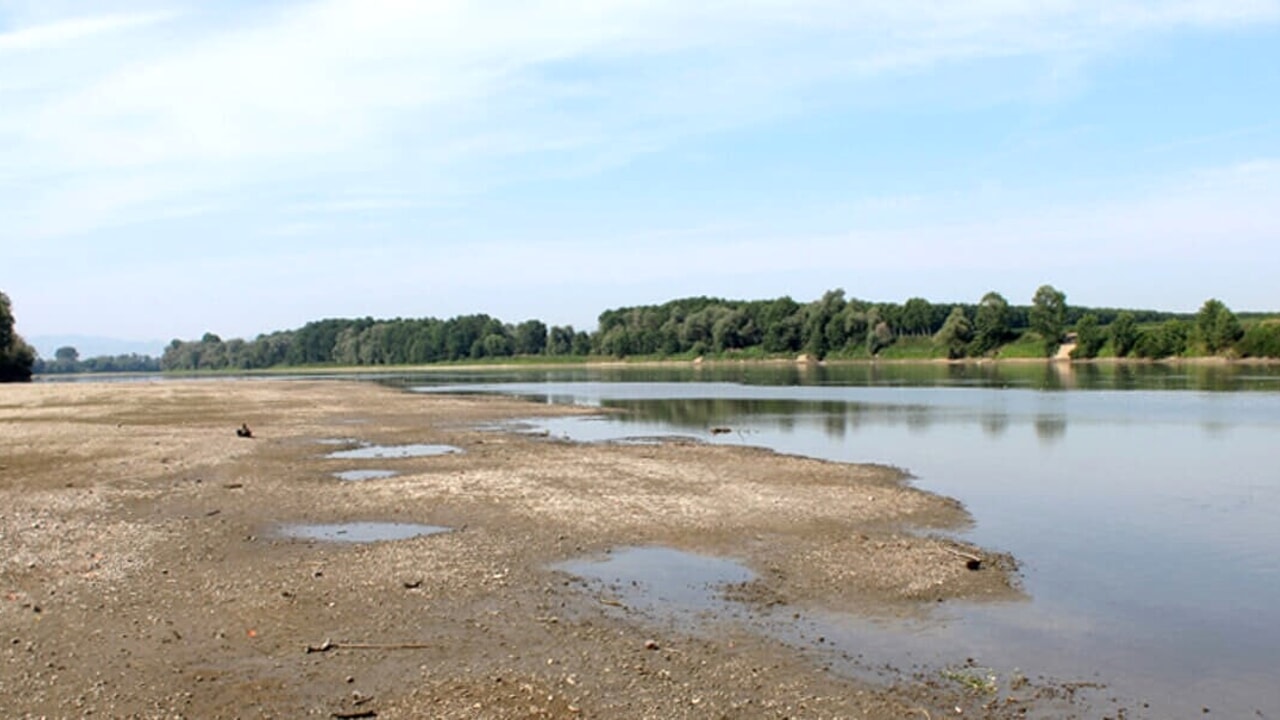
x=170 y=167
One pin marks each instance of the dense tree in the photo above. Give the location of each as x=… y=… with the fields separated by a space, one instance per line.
x=1089 y=337
x=1124 y=334
x=1168 y=339
x=131 y=363
x=824 y=329
x=1216 y=326
x=560 y=340
x=991 y=324
x=1048 y=315
x=692 y=326
x=917 y=317
x=530 y=338
x=17 y=358
x=1261 y=340
x=956 y=334
x=880 y=337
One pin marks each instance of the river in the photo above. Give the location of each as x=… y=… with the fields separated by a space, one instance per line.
x=1141 y=502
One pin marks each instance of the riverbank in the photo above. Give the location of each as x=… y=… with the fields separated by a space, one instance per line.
x=147 y=575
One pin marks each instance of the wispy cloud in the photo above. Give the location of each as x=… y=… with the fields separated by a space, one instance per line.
x=66 y=33
x=439 y=95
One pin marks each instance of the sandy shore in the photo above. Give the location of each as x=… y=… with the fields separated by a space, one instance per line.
x=144 y=574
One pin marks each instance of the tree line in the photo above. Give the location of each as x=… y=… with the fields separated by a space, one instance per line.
x=67 y=360
x=832 y=326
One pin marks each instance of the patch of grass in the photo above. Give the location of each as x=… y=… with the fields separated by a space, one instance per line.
x=1028 y=345
x=913 y=348
x=976 y=679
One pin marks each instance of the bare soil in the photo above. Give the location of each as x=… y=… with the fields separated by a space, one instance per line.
x=143 y=573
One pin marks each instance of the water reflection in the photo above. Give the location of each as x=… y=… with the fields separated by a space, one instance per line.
x=994 y=424
x=1046 y=376
x=1145 y=518
x=1050 y=428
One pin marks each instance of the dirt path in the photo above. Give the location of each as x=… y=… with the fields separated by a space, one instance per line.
x=144 y=574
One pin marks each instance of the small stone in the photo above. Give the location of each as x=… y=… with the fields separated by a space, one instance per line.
x=651 y=645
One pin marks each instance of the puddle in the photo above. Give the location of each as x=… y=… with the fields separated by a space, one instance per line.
x=336 y=441
x=665 y=583
x=359 y=532
x=696 y=592
x=378 y=452
x=359 y=475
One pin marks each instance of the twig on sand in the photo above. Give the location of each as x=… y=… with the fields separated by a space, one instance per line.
x=354 y=714
x=328 y=645
x=973 y=562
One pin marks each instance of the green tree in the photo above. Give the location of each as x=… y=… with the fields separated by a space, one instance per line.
x=880 y=337
x=1089 y=337
x=560 y=340
x=917 y=316
x=1124 y=334
x=17 y=358
x=530 y=337
x=956 y=334
x=1216 y=326
x=1048 y=316
x=1169 y=339
x=991 y=324
x=1262 y=340
x=822 y=331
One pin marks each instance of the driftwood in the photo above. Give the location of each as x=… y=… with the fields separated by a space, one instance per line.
x=973 y=562
x=354 y=714
x=328 y=645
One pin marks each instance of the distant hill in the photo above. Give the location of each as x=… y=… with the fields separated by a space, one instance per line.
x=92 y=346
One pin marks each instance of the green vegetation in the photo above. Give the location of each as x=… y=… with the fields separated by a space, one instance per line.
x=956 y=333
x=975 y=679
x=834 y=326
x=1124 y=334
x=16 y=356
x=991 y=324
x=1089 y=337
x=1048 y=316
x=67 y=360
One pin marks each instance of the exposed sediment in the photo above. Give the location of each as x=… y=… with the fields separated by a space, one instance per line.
x=143 y=575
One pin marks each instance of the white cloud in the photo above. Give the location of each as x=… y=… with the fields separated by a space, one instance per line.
x=301 y=92
x=62 y=34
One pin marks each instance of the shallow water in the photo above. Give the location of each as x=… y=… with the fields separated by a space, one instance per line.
x=382 y=452
x=663 y=582
x=358 y=532
x=362 y=475
x=1142 y=503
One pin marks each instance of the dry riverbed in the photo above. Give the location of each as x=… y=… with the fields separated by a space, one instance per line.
x=145 y=573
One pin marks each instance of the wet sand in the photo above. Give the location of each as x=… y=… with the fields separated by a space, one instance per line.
x=148 y=571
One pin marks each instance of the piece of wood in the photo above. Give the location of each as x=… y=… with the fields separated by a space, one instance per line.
x=328 y=645
x=971 y=561
x=963 y=554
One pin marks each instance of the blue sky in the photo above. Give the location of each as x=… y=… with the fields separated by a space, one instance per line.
x=168 y=168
